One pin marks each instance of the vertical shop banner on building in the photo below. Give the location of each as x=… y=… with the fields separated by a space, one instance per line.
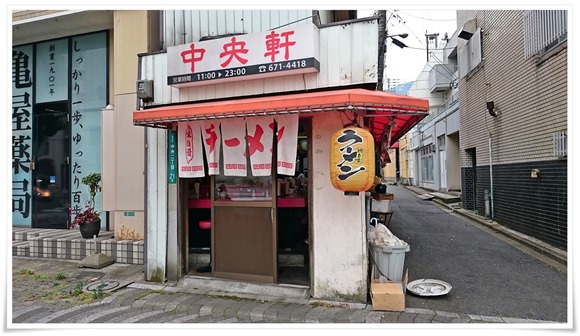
x=212 y=143
x=88 y=96
x=52 y=71
x=287 y=139
x=190 y=150
x=171 y=157
x=260 y=138
x=234 y=147
x=22 y=76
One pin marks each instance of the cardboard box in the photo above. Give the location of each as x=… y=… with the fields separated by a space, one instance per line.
x=382 y=197
x=389 y=296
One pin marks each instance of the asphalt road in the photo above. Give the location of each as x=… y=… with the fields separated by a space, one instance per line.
x=488 y=275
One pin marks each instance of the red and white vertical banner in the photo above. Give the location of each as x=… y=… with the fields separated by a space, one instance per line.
x=260 y=138
x=190 y=150
x=234 y=146
x=287 y=143
x=212 y=142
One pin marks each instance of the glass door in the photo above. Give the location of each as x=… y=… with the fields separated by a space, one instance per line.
x=244 y=245
x=50 y=174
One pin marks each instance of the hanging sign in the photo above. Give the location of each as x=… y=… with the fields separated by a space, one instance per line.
x=190 y=150
x=352 y=160
x=260 y=138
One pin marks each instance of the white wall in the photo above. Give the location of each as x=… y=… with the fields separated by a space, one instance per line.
x=348 y=56
x=339 y=256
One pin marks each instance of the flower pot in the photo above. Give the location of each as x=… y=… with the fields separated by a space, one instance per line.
x=90 y=229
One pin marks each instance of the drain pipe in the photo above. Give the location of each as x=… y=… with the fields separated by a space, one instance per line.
x=490 y=180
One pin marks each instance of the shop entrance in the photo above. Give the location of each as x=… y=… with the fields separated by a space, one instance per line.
x=251 y=228
x=50 y=174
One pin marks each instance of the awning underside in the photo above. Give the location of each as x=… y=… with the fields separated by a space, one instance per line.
x=388 y=116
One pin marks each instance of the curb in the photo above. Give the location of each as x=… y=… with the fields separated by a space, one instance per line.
x=539 y=246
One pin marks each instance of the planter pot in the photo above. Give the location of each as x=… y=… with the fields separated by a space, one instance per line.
x=90 y=229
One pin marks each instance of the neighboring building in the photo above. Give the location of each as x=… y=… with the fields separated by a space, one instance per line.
x=513 y=107
x=396 y=169
x=74 y=92
x=432 y=149
x=255 y=220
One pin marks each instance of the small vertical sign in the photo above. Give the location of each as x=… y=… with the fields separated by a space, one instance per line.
x=172 y=157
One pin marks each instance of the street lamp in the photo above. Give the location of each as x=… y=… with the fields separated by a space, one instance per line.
x=397 y=42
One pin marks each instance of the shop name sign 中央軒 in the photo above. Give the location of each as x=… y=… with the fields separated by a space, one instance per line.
x=282 y=51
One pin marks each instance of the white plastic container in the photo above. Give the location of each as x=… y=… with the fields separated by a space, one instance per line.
x=380 y=206
x=389 y=260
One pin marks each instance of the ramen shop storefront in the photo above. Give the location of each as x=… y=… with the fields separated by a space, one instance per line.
x=251 y=171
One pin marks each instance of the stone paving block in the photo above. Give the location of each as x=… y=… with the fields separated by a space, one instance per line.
x=184 y=319
x=257 y=314
x=442 y=319
x=141 y=317
x=270 y=315
x=422 y=319
x=191 y=300
x=374 y=317
x=172 y=305
x=406 y=318
x=231 y=310
x=243 y=312
x=359 y=316
x=344 y=315
x=313 y=316
x=125 y=315
x=25 y=314
x=486 y=318
x=106 y=315
x=446 y=314
x=299 y=315
x=390 y=317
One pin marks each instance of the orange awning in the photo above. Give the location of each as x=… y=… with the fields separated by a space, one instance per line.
x=383 y=111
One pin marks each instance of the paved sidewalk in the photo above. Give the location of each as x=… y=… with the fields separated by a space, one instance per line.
x=143 y=304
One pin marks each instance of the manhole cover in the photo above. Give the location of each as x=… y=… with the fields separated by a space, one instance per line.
x=105 y=285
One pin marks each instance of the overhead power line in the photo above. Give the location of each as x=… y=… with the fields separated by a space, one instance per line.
x=428 y=19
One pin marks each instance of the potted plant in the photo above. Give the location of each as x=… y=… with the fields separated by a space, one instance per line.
x=89 y=220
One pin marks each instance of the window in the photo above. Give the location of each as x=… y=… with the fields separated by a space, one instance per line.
x=427 y=163
x=560 y=144
x=544 y=30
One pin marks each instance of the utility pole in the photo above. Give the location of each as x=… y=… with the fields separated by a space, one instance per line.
x=430 y=39
x=382 y=37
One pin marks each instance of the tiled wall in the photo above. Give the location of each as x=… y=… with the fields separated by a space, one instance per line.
x=536 y=207
x=59 y=244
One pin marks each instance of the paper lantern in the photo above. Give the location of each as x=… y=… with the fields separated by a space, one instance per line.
x=352 y=159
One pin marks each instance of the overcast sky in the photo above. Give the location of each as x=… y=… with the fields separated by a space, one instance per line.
x=405 y=64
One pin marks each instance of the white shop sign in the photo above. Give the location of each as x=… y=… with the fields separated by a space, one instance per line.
x=282 y=51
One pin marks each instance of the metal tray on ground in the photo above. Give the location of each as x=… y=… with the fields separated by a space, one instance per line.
x=428 y=287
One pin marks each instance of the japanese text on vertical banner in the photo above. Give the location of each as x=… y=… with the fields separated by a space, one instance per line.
x=88 y=96
x=22 y=70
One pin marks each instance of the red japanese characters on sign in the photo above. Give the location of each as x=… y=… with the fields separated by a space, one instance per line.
x=287 y=50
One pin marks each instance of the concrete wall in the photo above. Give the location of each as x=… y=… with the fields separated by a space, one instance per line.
x=123 y=143
x=339 y=254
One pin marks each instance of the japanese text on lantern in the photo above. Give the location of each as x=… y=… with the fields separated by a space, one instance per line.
x=349 y=137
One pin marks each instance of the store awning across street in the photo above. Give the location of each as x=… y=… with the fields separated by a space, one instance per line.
x=387 y=115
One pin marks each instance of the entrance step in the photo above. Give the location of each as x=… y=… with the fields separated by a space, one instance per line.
x=258 y=291
x=284 y=259
x=446 y=198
